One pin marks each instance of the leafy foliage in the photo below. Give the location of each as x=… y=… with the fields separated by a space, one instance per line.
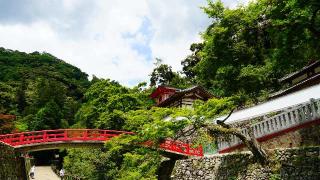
x=43 y=91
x=163 y=75
x=192 y=60
x=105 y=103
x=246 y=49
x=7 y=99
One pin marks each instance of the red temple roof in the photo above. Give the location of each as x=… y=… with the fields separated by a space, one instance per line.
x=165 y=95
x=163 y=90
x=180 y=93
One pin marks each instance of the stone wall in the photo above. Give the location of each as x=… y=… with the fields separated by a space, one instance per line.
x=12 y=166
x=303 y=137
x=288 y=164
x=308 y=136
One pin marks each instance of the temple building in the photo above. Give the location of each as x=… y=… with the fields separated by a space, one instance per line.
x=183 y=98
x=290 y=118
x=165 y=96
x=298 y=80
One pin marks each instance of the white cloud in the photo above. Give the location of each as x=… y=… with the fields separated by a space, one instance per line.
x=177 y=24
x=91 y=35
x=235 y=3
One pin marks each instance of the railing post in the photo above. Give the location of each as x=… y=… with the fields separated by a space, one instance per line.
x=276 y=123
x=273 y=122
x=65 y=135
x=264 y=127
x=270 y=125
x=201 y=150
x=254 y=130
x=313 y=109
x=267 y=127
x=187 y=149
x=32 y=137
x=85 y=134
x=21 y=138
x=286 y=117
x=308 y=112
x=258 y=129
x=279 y=124
x=44 y=136
x=302 y=114
x=318 y=106
x=296 y=116
x=290 y=115
x=283 y=121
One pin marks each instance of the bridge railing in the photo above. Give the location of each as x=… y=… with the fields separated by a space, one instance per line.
x=180 y=147
x=290 y=118
x=59 y=135
x=65 y=135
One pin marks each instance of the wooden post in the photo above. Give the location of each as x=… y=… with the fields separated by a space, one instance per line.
x=44 y=136
x=85 y=134
x=65 y=135
x=21 y=138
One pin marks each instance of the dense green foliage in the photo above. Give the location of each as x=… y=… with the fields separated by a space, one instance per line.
x=107 y=101
x=43 y=91
x=163 y=74
x=246 y=49
x=7 y=98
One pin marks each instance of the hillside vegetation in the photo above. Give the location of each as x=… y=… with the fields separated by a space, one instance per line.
x=43 y=91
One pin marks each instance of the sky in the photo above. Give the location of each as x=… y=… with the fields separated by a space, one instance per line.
x=115 y=39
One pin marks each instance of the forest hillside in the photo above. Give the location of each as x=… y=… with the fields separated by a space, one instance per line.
x=43 y=91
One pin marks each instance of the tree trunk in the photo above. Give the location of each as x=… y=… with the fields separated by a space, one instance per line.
x=251 y=143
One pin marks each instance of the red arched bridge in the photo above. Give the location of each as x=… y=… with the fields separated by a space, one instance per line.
x=51 y=139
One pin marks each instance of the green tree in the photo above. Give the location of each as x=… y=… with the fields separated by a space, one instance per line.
x=7 y=99
x=21 y=97
x=188 y=64
x=48 y=117
x=106 y=101
x=161 y=75
x=246 y=49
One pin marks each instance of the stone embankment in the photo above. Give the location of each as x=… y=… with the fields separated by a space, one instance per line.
x=12 y=165
x=295 y=163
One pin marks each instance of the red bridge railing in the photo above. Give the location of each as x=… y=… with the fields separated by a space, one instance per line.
x=44 y=136
x=182 y=148
x=71 y=135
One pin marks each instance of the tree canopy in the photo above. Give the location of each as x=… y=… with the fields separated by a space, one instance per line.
x=105 y=103
x=246 y=49
x=42 y=90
